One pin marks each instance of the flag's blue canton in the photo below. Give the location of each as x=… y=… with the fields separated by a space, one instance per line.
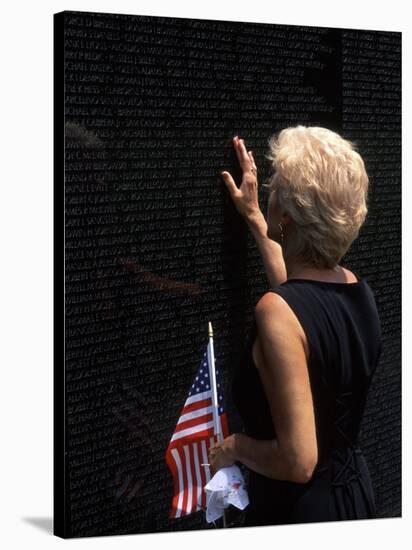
x=202 y=382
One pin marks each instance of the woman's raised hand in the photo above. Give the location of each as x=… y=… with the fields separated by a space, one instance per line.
x=245 y=197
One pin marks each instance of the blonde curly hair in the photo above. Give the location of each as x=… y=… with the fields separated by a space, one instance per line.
x=320 y=180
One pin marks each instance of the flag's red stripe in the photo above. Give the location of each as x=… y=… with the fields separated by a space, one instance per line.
x=194 y=479
x=196 y=405
x=188 y=485
x=193 y=422
x=185 y=483
x=195 y=436
x=173 y=468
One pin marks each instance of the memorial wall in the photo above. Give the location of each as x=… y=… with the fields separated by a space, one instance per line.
x=154 y=248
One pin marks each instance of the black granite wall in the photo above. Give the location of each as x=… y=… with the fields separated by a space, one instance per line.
x=145 y=110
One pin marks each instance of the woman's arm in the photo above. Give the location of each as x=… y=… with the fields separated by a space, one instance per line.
x=270 y=250
x=263 y=456
x=285 y=377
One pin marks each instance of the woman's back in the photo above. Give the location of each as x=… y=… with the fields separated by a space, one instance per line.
x=342 y=327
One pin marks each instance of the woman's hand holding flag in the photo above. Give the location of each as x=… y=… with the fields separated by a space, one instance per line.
x=222 y=454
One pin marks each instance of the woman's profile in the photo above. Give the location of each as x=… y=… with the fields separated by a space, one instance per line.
x=302 y=385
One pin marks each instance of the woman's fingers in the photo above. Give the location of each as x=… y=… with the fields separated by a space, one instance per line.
x=252 y=160
x=244 y=197
x=242 y=154
x=237 y=149
x=242 y=147
x=230 y=183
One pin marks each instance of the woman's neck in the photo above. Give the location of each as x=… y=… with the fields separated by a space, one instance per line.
x=299 y=269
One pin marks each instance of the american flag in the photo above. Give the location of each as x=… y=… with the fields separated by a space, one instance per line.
x=191 y=440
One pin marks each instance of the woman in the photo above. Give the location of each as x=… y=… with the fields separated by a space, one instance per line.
x=316 y=338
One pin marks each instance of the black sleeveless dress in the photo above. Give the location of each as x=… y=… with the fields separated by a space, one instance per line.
x=343 y=331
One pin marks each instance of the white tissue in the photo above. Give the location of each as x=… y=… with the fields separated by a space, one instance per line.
x=226 y=487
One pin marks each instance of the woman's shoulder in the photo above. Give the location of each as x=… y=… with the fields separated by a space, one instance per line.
x=276 y=311
x=273 y=306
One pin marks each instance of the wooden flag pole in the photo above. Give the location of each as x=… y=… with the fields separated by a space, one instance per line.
x=216 y=418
